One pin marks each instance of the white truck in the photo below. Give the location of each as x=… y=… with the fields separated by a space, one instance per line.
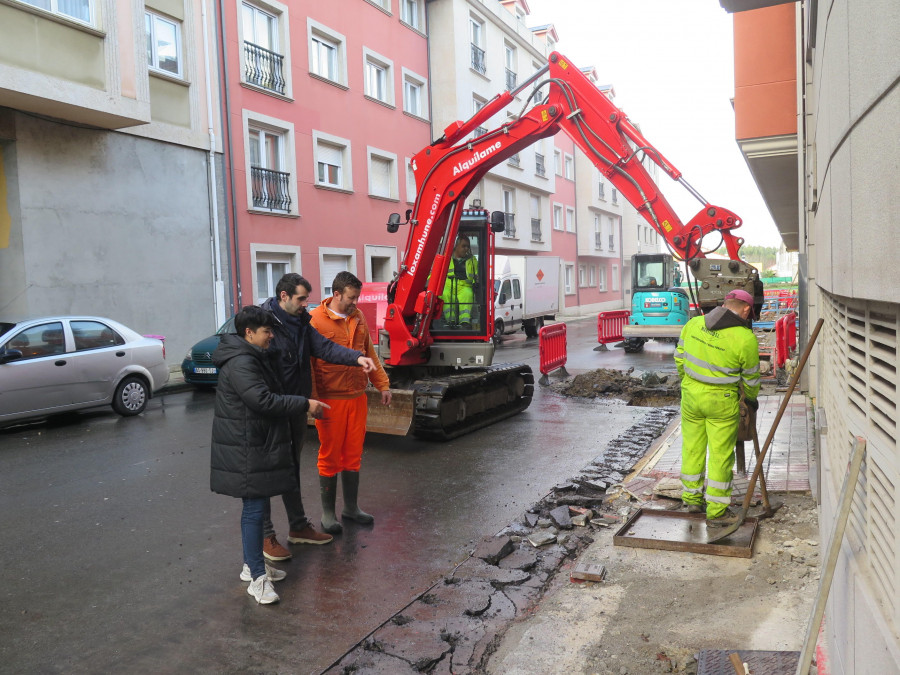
x=526 y=293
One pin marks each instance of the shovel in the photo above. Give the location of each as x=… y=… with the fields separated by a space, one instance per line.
x=757 y=470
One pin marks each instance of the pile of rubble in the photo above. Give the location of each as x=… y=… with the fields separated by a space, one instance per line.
x=458 y=623
x=650 y=389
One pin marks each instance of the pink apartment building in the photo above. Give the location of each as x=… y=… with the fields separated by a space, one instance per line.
x=325 y=102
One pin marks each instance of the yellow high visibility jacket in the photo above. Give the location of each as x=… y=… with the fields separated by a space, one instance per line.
x=719 y=349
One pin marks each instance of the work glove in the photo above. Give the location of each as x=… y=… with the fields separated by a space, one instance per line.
x=752 y=403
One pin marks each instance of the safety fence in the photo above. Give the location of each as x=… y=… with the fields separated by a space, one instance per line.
x=552 y=350
x=785 y=338
x=610 y=324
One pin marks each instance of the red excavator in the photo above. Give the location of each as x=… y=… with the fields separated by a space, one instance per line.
x=437 y=332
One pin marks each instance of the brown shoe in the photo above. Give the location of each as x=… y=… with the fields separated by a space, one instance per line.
x=309 y=536
x=275 y=551
x=725 y=520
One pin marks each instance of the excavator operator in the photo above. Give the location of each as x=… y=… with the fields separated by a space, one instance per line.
x=459 y=288
x=717 y=354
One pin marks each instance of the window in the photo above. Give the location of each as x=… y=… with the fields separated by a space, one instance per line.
x=598 y=234
x=163 y=43
x=557 y=162
x=381 y=263
x=557 y=217
x=46 y=339
x=615 y=196
x=602 y=193
x=509 y=207
x=94 y=335
x=73 y=9
x=510 y=57
x=271 y=184
x=411 y=13
x=615 y=277
x=414 y=102
x=539 y=164
x=383 y=174
x=582 y=275
x=268 y=272
x=410 y=182
x=612 y=234
x=601 y=285
x=536 y=234
x=263 y=65
x=478 y=104
x=327 y=53
x=379 y=77
x=570 y=220
x=332 y=261
x=570 y=167
x=476 y=35
x=570 y=278
x=592 y=275
x=332 y=157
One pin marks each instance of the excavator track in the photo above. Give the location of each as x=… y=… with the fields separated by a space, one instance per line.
x=448 y=406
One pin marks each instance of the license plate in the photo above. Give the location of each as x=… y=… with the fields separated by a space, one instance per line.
x=206 y=371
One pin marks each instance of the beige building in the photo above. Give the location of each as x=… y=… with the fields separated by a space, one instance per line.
x=108 y=164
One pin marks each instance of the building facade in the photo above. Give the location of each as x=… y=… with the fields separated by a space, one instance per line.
x=108 y=138
x=817 y=103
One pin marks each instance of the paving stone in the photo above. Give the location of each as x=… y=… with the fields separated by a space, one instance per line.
x=580 y=520
x=476 y=569
x=520 y=559
x=516 y=529
x=464 y=644
x=417 y=642
x=544 y=522
x=531 y=519
x=478 y=603
x=560 y=516
x=493 y=549
x=551 y=558
x=588 y=572
x=541 y=538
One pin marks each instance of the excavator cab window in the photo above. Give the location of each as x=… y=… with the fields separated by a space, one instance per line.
x=465 y=291
x=650 y=273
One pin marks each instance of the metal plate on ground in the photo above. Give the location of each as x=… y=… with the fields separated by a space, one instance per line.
x=716 y=662
x=682 y=531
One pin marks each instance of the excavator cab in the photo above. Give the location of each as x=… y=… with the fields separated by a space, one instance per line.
x=658 y=308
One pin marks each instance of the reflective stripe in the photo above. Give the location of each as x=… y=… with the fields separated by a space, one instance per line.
x=718 y=500
x=711 y=366
x=680 y=343
x=717 y=484
x=754 y=382
x=691 y=476
x=750 y=371
x=695 y=491
x=719 y=379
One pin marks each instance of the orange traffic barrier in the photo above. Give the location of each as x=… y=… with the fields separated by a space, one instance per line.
x=610 y=324
x=552 y=350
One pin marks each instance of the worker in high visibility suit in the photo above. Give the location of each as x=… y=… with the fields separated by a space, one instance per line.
x=717 y=355
x=459 y=288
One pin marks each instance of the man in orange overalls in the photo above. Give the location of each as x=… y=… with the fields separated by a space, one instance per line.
x=343 y=429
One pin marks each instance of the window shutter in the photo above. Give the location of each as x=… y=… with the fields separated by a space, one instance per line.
x=330 y=154
x=380 y=177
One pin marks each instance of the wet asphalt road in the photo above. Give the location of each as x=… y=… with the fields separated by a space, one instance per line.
x=118 y=557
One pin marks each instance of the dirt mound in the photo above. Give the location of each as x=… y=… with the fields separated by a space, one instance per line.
x=649 y=389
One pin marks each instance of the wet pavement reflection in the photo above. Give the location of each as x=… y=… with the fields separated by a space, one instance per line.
x=118 y=556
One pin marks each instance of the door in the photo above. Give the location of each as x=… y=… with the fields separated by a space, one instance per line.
x=99 y=357
x=43 y=379
x=517 y=302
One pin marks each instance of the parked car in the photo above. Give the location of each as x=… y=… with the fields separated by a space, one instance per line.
x=197 y=366
x=62 y=363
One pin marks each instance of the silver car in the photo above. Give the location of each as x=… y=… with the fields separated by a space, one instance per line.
x=58 y=364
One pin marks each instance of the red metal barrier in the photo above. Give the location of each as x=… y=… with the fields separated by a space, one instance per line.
x=780 y=342
x=609 y=325
x=790 y=324
x=552 y=347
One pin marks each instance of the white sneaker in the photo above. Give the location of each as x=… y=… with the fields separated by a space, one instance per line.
x=261 y=589
x=273 y=573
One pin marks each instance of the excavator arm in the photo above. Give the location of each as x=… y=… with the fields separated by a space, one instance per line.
x=448 y=170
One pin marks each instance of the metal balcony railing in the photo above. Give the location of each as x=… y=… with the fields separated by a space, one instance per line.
x=615 y=196
x=510 y=80
x=510 y=231
x=263 y=68
x=598 y=241
x=271 y=189
x=539 y=165
x=514 y=160
x=480 y=131
x=538 y=97
x=478 y=59
x=602 y=191
x=612 y=242
x=535 y=229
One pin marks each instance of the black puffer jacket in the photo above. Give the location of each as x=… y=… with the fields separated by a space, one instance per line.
x=295 y=341
x=251 y=440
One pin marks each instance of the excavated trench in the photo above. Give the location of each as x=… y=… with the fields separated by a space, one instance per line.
x=651 y=390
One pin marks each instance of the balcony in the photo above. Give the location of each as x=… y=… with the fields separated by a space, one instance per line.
x=510 y=231
x=478 y=60
x=510 y=80
x=263 y=68
x=515 y=160
x=271 y=189
x=539 y=165
x=536 y=229
x=612 y=242
x=598 y=241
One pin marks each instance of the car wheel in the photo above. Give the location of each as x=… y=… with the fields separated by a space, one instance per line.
x=498 y=329
x=131 y=396
x=533 y=328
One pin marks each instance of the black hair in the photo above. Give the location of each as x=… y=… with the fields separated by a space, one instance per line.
x=344 y=279
x=289 y=282
x=254 y=318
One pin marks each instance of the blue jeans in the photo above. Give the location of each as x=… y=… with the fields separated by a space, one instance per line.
x=252 y=518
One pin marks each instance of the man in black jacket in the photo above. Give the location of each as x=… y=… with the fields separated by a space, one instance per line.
x=295 y=340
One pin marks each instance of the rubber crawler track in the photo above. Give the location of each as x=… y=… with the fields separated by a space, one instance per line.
x=444 y=405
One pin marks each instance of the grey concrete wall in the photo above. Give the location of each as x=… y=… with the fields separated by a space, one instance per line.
x=12 y=261
x=115 y=225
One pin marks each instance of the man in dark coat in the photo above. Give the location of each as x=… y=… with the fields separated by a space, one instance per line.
x=295 y=341
x=251 y=440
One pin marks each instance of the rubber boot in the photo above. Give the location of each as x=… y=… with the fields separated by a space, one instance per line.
x=350 y=483
x=328 y=490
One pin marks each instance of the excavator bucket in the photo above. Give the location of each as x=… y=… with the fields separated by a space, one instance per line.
x=395 y=419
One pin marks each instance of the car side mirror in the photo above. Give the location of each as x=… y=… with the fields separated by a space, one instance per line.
x=8 y=355
x=498 y=221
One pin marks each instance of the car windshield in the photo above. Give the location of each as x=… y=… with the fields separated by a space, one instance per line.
x=227 y=327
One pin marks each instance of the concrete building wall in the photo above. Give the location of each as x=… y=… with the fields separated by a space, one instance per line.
x=851 y=64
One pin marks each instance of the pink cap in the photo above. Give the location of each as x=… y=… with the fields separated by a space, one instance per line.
x=743 y=296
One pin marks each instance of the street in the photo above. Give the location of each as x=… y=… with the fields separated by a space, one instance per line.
x=118 y=557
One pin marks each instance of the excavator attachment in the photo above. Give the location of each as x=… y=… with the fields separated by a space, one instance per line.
x=395 y=419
